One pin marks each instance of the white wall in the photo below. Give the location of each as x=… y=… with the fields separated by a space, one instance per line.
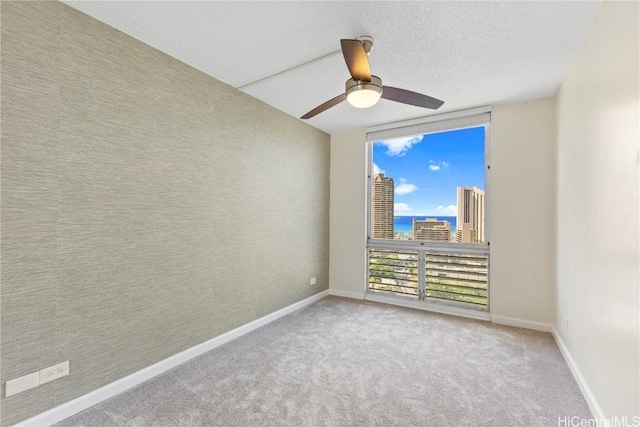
x=523 y=211
x=348 y=225
x=597 y=210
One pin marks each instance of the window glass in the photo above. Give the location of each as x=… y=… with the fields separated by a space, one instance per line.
x=430 y=187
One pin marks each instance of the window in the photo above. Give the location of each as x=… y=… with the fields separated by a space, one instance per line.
x=430 y=187
x=428 y=209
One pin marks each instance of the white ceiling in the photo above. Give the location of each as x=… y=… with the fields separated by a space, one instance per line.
x=467 y=53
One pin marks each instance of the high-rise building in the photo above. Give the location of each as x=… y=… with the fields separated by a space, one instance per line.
x=432 y=229
x=470 y=219
x=382 y=207
x=464 y=233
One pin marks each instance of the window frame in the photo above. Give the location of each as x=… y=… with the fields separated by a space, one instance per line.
x=475 y=117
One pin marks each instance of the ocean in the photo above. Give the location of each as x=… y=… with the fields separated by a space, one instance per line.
x=404 y=224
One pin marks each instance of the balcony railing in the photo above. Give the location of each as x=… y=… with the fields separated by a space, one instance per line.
x=448 y=277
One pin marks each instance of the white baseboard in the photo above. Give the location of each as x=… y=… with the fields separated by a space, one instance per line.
x=346 y=294
x=81 y=403
x=519 y=323
x=596 y=410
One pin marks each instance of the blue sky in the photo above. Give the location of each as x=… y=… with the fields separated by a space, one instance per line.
x=427 y=169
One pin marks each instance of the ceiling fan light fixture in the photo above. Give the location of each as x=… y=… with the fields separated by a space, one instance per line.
x=364 y=90
x=363 y=94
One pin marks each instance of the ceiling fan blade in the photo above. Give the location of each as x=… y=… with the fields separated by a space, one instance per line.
x=411 y=98
x=356 y=59
x=322 y=107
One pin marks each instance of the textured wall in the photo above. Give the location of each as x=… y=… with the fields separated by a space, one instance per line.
x=146 y=207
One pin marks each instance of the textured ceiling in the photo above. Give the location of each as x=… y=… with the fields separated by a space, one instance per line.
x=466 y=53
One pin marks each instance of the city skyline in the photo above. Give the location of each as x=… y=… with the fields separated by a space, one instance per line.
x=427 y=169
x=469 y=218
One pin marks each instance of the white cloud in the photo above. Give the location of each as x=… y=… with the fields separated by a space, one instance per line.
x=451 y=210
x=405 y=187
x=399 y=146
x=436 y=166
x=401 y=208
x=376 y=169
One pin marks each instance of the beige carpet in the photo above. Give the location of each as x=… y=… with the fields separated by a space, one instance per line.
x=343 y=362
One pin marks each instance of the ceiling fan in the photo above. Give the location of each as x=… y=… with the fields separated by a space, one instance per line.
x=363 y=90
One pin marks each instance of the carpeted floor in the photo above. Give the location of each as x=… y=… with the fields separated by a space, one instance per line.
x=342 y=362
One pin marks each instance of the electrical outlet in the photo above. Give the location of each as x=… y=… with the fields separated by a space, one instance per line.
x=566 y=322
x=54 y=372
x=312 y=281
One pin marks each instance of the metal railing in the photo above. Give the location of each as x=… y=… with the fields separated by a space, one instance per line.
x=445 y=276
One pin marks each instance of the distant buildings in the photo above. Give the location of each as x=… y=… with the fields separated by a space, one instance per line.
x=382 y=207
x=432 y=229
x=470 y=219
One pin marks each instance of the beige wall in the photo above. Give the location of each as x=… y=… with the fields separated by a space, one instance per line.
x=522 y=216
x=146 y=207
x=348 y=214
x=522 y=211
x=597 y=210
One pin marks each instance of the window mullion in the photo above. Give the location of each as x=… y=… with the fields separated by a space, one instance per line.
x=422 y=273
